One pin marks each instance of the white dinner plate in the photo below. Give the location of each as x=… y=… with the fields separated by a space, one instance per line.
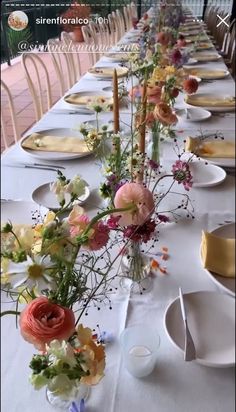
x=44 y=197
x=206 y=175
x=110 y=125
x=194 y=114
x=206 y=57
x=211 y=321
x=227 y=284
x=206 y=74
x=212 y=102
x=106 y=72
x=55 y=155
x=22 y=212
x=87 y=97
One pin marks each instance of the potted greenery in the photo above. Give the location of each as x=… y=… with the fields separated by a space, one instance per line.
x=74 y=18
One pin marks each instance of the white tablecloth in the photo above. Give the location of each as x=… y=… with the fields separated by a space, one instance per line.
x=174 y=385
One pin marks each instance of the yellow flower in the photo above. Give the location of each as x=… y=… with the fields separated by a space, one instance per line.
x=170 y=71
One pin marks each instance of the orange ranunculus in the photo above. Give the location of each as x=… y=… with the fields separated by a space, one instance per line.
x=164 y=113
x=42 y=321
x=150 y=119
x=190 y=85
x=163 y=38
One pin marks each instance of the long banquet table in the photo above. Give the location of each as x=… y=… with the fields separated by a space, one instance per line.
x=174 y=385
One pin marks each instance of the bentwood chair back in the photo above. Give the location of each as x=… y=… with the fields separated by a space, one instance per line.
x=121 y=22
x=73 y=55
x=91 y=43
x=112 y=29
x=134 y=11
x=117 y=26
x=5 y=90
x=126 y=17
x=37 y=74
x=63 y=64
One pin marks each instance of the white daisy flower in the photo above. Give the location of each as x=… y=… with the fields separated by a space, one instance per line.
x=32 y=273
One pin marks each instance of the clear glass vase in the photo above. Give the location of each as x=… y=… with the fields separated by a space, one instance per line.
x=153 y=149
x=59 y=403
x=136 y=270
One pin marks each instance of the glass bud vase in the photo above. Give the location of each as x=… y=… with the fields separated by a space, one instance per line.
x=153 y=149
x=136 y=270
x=65 y=403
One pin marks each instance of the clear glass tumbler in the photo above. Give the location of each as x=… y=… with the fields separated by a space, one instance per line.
x=139 y=346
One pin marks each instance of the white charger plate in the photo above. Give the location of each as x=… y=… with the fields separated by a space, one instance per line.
x=90 y=96
x=109 y=124
x=192 y=100
x=22 y=212
x=211 y=320
x=195 y=114
x=206 y=57
x=227 y=284
x=206 y=175
x=221 y=161
x=106 y=72
x=44 y=197
x=55 y=156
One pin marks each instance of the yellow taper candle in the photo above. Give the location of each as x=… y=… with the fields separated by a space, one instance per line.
x=115 y=102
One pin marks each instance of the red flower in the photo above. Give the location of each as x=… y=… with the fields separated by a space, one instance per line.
x=190 y=85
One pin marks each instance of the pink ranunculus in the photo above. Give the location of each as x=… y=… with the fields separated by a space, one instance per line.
x=79 y=226
x=100 y=236
x=75 y=215
x=139 y=199
x=181 y=42
x=42 y=321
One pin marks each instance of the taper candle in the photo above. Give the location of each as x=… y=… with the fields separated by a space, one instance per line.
x=115 y=102
x=142 y=128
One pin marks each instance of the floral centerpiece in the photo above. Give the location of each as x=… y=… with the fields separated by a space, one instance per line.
x=52 y=272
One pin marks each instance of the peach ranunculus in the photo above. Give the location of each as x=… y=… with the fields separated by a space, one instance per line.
x=139 y=199
x=164 y=114
x=163 y=38
x=154 y=94
x=93 y=354
x=42 y=321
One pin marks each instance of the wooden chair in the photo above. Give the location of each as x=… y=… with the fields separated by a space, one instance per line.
x=63 y=64
x=35 y=71
x=112 y=30
x=91 y=43
x=73 y=55
x=16 y=133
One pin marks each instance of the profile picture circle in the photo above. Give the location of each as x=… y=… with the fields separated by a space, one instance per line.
x=18 y=20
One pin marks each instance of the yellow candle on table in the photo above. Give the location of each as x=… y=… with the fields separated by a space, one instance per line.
x=115 y=103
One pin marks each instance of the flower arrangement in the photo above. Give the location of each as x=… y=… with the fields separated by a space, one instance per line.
x=51 y=268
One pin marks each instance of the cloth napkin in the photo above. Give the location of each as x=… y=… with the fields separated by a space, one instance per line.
x=219 y=148
x=54 y=144
x=213 y=101
x=206 y=74
x=218 y=254
x=75 y=98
